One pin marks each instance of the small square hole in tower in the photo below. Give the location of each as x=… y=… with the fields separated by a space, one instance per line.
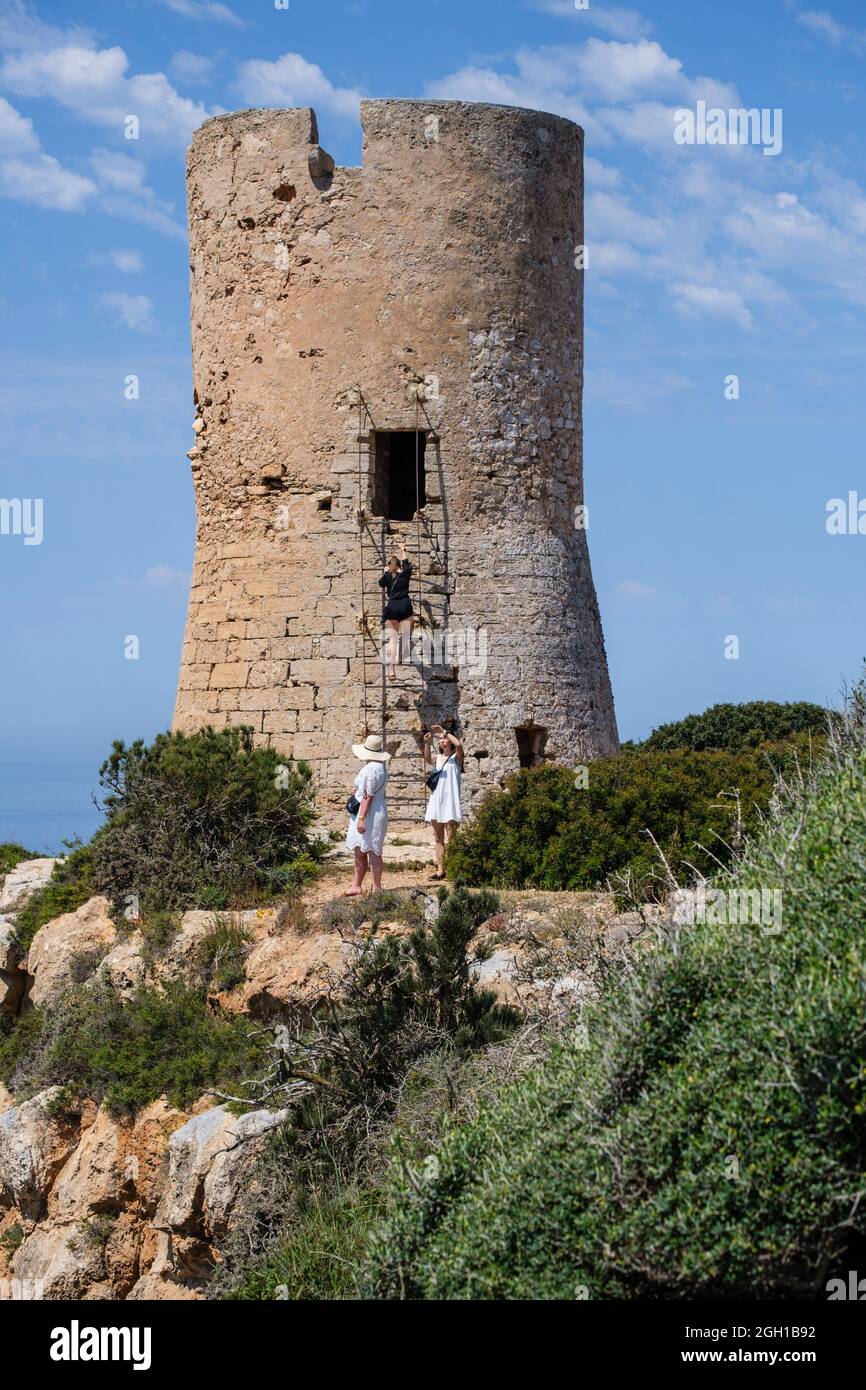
x=399 y=485
x=531 y=743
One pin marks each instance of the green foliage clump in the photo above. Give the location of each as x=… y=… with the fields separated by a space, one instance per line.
x=12 y=854
x=708 y=1138
x=166 y=1041
x=383 y=905
x=221 y=954
x=403 y=999
x=11 y=1238
x=70 y=885
x=734 y=728
x=544 y=832
x=205 y=819
x=321 y=1252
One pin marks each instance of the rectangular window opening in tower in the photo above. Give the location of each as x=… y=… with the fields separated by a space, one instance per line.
x=399 y=483
x=531 y=744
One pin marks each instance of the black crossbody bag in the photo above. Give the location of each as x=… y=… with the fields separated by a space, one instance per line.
x=353 y=805
x=435 y=777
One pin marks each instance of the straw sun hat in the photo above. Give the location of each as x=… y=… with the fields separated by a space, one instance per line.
x=371 y=750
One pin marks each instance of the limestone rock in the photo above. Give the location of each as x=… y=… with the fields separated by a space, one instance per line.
x=154 y=1289
x=23 y=881
x=51 y=960
x=92 y=1180
x=34 y=1145
x=60 y=1261
x=207 y=1159
x=144 y=1152
x=289 y=969
x=12 y=977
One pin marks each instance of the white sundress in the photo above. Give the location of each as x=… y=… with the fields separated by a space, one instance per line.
x=370 y=781
x=444 y=803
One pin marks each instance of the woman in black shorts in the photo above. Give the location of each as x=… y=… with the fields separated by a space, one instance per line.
x=398 y=613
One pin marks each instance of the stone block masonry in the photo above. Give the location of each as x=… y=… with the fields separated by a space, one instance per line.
x=434 y=288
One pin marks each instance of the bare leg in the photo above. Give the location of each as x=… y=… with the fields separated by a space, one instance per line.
x=376 y=866
x=439 y=837
x=406 y=628
x=393 y=639
x=359 y=876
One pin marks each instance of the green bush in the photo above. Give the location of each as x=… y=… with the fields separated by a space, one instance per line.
x=402 y=1000
x=200 y=819
x=544 y=832
x=321 y=1253
x=12 y=854
x=708 y=1138
x=162 y=1042
x=221 y=954
x=734 y=728
x=70 y=885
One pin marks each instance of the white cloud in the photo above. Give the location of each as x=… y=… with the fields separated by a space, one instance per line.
x=28 y=175
x=634 y=591
x=292 y=81
x=130 y=310
x=709 y=227
x=697 y=300
x=126 y=262
x=17 y=135
x=205 y=9
x=93 y=83
x=124 y=193
x=822 y=23
x=192 y=67
x=619 y=23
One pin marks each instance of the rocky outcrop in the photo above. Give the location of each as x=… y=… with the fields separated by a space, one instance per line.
x=12 y=977
x=93 y=1206
x=113 y=1209
x=19 y=884
x=207 y=1158
x=67 y=949
x=34 y=1145
x=23 y=881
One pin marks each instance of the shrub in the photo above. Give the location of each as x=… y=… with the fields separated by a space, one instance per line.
x=196 y=819
x=10 y=1240
x=321 y=1253
x=708 y=1140
x=383 y=905
x=162 y=1042
x=734 y=728
x=12 y=854
x=543 y=832
x=221 y=954
x=402 y=999
x=70 y=885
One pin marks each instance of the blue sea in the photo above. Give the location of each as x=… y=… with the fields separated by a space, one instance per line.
x=43 y=804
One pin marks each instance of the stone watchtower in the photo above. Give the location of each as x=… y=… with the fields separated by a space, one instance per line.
x=384 y=353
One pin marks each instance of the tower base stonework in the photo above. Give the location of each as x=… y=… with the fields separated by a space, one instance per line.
x=347 y=322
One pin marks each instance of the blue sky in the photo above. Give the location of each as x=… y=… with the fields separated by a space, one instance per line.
x=707 y=516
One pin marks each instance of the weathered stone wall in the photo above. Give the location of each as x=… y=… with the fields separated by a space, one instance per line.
x=449 y=254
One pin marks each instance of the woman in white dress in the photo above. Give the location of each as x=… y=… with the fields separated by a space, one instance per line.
x=443 y=808
x=369 y=825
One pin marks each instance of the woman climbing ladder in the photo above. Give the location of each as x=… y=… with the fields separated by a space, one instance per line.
x=397 y=616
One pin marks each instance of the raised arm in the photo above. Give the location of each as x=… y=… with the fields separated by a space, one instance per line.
x=457 y=745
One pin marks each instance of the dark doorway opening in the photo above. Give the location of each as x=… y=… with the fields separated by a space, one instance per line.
x=399 y=485
x=531 y=742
